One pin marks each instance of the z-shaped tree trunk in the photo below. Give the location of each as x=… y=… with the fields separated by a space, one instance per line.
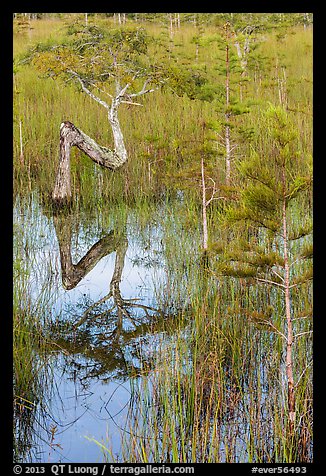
x=71 y=136
x=72 y=273
x=114 y=352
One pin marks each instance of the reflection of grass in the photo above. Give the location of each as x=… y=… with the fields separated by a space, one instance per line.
x=27 y=335
x=30 y=313
x=214 y=393
x=28 y=382
x=214 y=390
x=146 y=261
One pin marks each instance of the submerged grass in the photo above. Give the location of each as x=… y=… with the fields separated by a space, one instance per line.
x=28 y=368
x=212 y=399
x=215 y=391
x=214 y=394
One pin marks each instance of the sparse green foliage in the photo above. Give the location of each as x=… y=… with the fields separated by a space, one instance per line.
x=215 y=391
x=271 y=186
x=268 y=181
x=99 y=56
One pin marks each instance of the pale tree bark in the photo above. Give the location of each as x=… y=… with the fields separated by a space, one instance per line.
x=243 y=53
x=111 y=353
x=227 y=154
x=204 y=206
x=282 y=82
x=170 y=18
x=71 y=136
x=206 y=202
x=121 y=18
x=290 y=337
x=305 y=20
x=72 y=273
x=227 y=116
x=226 y=137
x=21 y=142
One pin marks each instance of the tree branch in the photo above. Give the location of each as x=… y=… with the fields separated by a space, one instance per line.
x=122 y=92
x=102 y=91
x=303 y=372
x=271 y=282
x=132 y=103
x=302 y=333
x=278 y=275
x=273 y=327
x=87 y=91
x=302 y=317
x=143 y=90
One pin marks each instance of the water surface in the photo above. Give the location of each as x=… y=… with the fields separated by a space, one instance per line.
x=89 y=371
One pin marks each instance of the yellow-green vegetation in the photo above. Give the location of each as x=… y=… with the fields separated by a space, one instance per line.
x=230 y=379
x=159 y=143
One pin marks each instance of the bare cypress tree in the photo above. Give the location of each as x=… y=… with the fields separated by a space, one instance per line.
x=228 y=106
x=120 y=70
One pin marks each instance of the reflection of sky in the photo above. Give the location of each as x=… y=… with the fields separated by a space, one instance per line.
x=135 y=279
x=82 y=413
x=100 y=410
x=95 y=412
x=44 y=268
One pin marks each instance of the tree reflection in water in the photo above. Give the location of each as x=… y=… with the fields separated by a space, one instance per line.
x=110 y=341
x=111 y=333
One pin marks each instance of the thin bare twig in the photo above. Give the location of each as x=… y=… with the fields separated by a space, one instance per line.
x=273 y=327
x=87 y=91
x=271 y=282
x=302 y=334
x=278 y=275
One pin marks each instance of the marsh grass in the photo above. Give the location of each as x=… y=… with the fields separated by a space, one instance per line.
x=159 y=143
x=29 y=386
x=214 y=401
x=216 y=392
x=33 y=296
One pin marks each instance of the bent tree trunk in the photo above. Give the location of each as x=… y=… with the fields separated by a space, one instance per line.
x=71 y=136
x=72 y=273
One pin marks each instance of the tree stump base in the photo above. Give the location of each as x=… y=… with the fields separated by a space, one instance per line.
x=71 y=136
